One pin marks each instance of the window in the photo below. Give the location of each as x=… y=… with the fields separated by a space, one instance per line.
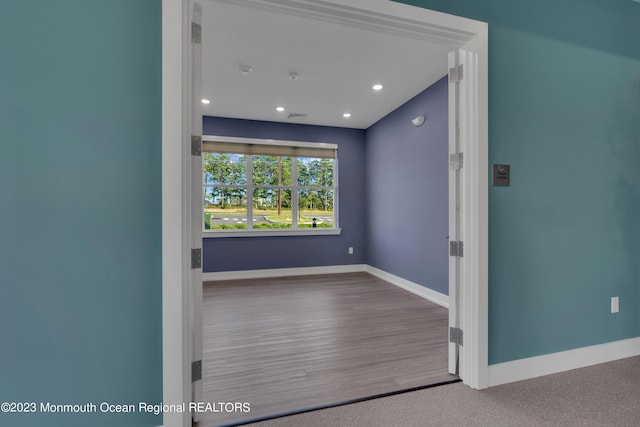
x=268 y=186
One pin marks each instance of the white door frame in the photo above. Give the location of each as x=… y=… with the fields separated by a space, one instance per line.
x=195 y=201
x=468 y=188
x=176 y=268
x=373 y=14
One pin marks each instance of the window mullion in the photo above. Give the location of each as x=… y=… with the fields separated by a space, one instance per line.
x=336 y=199
x=249 y=192
x=294 y=191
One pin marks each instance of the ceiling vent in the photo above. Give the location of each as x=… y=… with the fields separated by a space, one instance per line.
x=298 y=116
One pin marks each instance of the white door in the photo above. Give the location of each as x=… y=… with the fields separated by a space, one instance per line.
x=456 y=249
x=464 y=238
x=195 y=205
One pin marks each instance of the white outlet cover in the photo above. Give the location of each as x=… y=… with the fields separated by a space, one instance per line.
x=615 y=304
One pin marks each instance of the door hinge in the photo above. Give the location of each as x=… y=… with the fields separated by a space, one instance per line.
x=456 y=248
x=455 y=335
x=455 y=74
x=455 y=161
x=196 y=145
x=196 y=33
x=196 y=371
x=196 y=258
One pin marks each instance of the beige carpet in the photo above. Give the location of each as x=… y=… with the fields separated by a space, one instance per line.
x=601 y=395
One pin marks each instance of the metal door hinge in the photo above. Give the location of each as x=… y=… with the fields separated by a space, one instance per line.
x=196 y=258
x=455 y=161
x=196 y=145
x=196 y=371
x=456 y=248
x=455 y=74
x=196 y=33
x=455 y=335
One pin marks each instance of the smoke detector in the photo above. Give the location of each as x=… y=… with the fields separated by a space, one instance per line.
x=245 y=69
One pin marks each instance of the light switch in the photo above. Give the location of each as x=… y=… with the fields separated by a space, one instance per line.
x=501 y=175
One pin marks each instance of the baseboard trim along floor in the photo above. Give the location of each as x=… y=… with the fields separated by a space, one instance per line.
x=422 y=291
x=531 y=367
x=282 y=272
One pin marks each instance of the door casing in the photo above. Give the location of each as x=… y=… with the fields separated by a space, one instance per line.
x=470 y=35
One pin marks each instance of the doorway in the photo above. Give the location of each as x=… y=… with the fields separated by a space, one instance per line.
x=468 y=34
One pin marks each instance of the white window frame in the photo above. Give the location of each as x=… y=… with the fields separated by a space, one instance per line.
x=251 y=232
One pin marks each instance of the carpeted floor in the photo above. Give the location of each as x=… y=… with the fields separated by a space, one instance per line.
x=601 y=395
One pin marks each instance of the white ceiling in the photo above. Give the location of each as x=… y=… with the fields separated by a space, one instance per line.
x=336 y=65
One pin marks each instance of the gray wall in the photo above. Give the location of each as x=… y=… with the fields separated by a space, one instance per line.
x=251 y=253
x=402 y=170
x=407 y=191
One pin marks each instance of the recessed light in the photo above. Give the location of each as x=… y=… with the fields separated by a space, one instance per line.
x=346 y=115
x=206 y=101
x=280 y=109
x=377 y=87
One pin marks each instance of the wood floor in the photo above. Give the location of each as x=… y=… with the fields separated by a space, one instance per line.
x=291 y=343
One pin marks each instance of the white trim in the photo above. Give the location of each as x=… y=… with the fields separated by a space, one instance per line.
x=256 y=232
x=282 y=272
x=377 y=15
x=472 y=299
x=547 y=364
x=176 y=384
x=455 y=199
x=295 y=189
x=414 y=288
x=260 y=141
x=475 y=296
x=194 y=203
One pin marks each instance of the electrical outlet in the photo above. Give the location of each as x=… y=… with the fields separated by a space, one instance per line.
x=615 y=304
x=350 y=250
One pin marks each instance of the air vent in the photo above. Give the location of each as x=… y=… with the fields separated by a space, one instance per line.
x=298 y=116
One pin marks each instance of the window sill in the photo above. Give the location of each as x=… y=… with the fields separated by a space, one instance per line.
x=272 y=233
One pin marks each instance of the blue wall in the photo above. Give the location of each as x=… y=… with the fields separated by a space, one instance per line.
x=80 y=261
x=408 y=193
x=249 y=253
x=564 y=111
x=80 y=203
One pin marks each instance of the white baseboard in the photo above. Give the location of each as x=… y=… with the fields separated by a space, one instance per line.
x=407 y=285
x=282 y=272
x=538 y=366
x=414 y=288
